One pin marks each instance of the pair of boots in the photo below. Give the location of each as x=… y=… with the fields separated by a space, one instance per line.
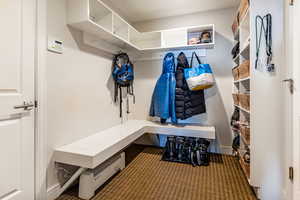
x=176 y=148
x=198 y=152
x=188 y=150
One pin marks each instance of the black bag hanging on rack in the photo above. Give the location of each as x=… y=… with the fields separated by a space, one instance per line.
x=123 y=75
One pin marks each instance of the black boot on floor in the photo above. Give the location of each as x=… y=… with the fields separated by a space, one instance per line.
x=171 y=147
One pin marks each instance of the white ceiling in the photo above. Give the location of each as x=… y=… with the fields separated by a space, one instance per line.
x=143 y=10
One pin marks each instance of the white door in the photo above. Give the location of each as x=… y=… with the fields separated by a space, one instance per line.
x=296 y=99
x=17 y=50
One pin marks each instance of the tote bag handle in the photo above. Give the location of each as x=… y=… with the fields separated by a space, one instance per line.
x=199 y=61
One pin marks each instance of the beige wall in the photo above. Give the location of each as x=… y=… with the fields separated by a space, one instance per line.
x=218 y=99
x=79 y=88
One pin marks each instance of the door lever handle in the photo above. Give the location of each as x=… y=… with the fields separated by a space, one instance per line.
x=25 y=106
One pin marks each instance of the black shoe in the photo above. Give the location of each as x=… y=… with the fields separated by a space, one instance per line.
x=180 y=148
x=171 y=150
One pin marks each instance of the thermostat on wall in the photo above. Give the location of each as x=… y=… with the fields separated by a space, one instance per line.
x=55 y=46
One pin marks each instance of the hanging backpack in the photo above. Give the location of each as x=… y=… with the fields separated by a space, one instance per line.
x=123 y=76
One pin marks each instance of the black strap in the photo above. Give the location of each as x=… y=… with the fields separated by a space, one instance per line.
x=127 y=105
x=127 y=100
x=194 y=54
x=121 y=101
x=266 y=30
x=116 y=92
x=132 y=93
x=269 y=34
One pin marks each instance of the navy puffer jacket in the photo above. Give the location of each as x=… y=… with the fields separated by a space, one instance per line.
x=187 y=103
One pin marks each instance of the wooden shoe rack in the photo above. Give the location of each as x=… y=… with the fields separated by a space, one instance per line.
x=241 y=85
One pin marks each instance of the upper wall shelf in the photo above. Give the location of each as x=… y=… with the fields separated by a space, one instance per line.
x=96 y=19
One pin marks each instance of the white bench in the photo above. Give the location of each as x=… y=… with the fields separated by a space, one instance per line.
x=90 y=152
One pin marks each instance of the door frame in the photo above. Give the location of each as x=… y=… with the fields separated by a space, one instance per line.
x=293 y=187
x=296 y=105
x=288 y=100
x=40 y=98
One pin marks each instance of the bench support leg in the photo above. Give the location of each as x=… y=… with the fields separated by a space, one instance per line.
x=71 y=180
x=87 y=185
x=89 y=182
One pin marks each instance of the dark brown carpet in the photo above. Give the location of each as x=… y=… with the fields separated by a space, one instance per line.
x=149 y=178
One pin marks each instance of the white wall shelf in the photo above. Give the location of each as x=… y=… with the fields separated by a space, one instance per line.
x=95 y=18
x=101 y=15
x=242 y=80
x=120 y=27
x=242 y=109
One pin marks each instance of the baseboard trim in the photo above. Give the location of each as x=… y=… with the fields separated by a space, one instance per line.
x=226 y=150
x=52 y=192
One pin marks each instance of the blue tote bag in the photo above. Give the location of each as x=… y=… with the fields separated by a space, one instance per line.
x=200 y=77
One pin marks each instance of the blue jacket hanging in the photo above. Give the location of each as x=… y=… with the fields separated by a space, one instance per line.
x=163 y=98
